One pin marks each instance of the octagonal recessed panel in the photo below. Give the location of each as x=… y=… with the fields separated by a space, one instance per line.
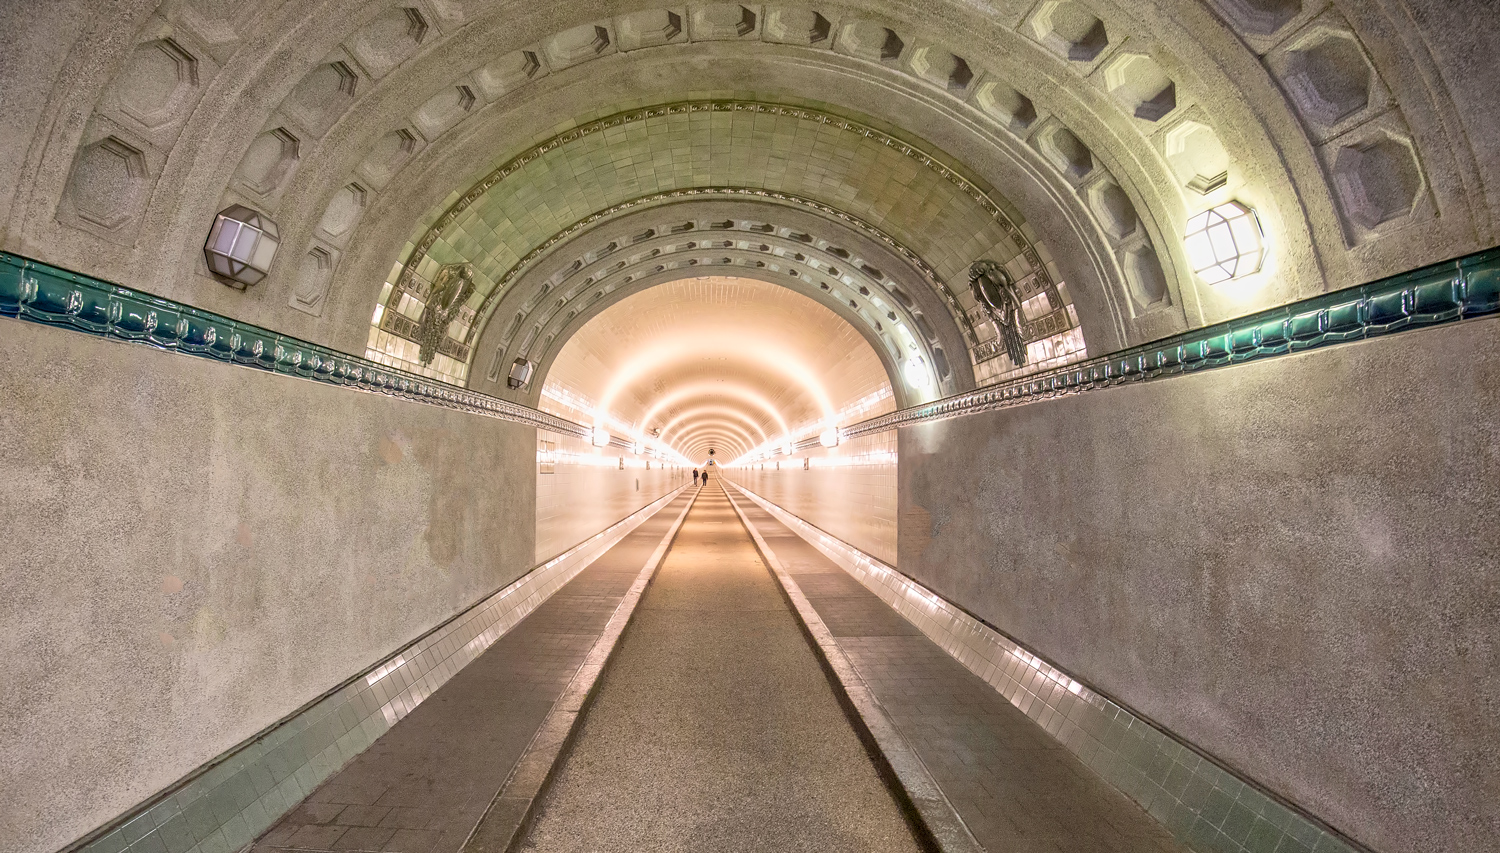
x=941 y=68
x=651 y=28
x=156 y=82
x=1065 y=151
x=1197 y=157
x=1141 y=86
x=1145 y=278
x=387 y=156
x=509 y=73
x=796 y=26
x=1113 y=207
x=1070 y=30
x=1260 y=17
x=579 y=44
x=389 y=40
x=343 y=210
x=108 y=182
x=1327 y=76
x=310 y=286
x=269 y=160
x=1010 y=107
x=322 y=96
x=443 y=110
x=869 y=40
x=723 y=21
x=1377 y=179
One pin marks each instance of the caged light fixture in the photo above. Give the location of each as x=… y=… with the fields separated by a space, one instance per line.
x=241 y=245
x=520 y=373
x=1225 y=242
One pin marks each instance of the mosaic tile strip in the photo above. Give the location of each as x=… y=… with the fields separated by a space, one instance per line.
x=1207 y=807
x=230 y=801
x=41 y=293
x=1442 y=293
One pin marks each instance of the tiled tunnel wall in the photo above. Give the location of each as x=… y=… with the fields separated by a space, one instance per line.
x=197 y=549
x=582 y=489
x=849 y=490
x=1288 y=563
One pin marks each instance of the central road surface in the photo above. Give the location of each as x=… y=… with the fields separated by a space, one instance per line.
x=714 y=728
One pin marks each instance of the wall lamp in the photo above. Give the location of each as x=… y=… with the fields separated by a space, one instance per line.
x=1225 y=242
x=241 y=245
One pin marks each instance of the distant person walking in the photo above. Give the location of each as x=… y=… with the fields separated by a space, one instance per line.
x=695 y=476
x=705 y=476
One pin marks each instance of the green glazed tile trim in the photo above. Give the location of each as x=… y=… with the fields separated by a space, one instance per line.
x=41 y=293
x=1205 y=805
x=1442 y=293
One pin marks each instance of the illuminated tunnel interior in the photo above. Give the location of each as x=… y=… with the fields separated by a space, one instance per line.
x=464 y=426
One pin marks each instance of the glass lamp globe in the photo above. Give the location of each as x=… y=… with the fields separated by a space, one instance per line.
x=600 y=436
x=829 y=437
x=1225 y=242
x=241 y=245
x=917 y=375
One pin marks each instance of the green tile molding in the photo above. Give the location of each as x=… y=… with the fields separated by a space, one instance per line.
x=1430 y=296
x=41 y=293
x=1206 y=805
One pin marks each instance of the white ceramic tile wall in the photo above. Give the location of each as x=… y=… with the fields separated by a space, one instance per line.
x=849 y=490
x=587 y=490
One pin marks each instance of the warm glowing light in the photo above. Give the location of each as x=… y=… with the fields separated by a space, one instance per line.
x=787 y=447
x=714 y=388
x=1225 y=243
x=917 y=374
x=600 y=436
x=829 y=437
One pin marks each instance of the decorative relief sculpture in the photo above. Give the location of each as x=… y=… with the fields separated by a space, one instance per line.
x=996 y=294
x=450 y=290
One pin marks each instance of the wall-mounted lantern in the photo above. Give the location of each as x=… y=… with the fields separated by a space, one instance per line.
x=600 y=436
x=829 y=437
x=520 y=373
x=1225 y=242
x=917 y=374
x=241 y=245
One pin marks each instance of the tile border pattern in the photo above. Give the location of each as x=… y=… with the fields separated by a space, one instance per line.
x=228 y=802
x=1442 y=293
x=41 y=293
x=1205 y=805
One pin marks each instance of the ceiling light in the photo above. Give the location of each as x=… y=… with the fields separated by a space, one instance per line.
x=1225 y=243
x=829 y=437
x=917 y=375
x=241 y=245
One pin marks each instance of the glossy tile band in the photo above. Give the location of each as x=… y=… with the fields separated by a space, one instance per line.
x=1442 y=293
x=41 y=293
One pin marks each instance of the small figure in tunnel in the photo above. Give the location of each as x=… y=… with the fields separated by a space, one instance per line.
x=695 y=476
x=705 y=476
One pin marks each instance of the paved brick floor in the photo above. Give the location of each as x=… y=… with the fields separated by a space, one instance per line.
x=424 y=785
x=1017 y=789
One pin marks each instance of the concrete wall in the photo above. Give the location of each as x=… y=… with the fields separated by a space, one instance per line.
x=1292 y=563
x=849 y=490
x=192 y=550
x=586 y=490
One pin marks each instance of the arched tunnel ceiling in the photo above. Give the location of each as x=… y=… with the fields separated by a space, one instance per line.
x=717 y=362
x=1070 y=140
